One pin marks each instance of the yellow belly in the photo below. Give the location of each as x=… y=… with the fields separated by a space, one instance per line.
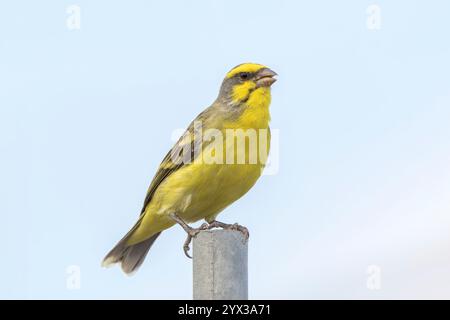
x=197 y=191
x=210 y=189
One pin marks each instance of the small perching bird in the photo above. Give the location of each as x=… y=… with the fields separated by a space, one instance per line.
x=208 y=168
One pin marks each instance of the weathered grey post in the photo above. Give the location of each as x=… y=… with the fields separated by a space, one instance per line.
x=220 y=265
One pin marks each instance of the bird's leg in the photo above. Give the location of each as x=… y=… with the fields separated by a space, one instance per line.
x=227 y=226
x=191 y=232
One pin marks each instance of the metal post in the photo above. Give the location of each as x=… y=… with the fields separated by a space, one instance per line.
x=220 y=265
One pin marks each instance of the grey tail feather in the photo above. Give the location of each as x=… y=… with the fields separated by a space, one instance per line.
x=130 y=256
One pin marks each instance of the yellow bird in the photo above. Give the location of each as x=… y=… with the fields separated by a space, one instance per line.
x=215 y=162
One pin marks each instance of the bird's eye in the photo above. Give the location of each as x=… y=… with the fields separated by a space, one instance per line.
x=243 y=75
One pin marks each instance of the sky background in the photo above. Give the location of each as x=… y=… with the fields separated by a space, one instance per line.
x=360 y=205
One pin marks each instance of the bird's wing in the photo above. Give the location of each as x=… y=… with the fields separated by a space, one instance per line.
x=176 y=158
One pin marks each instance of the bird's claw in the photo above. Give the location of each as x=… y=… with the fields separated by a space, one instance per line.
x=241 y=229
x=186 y=246
x=226 y=226
x=192 y=232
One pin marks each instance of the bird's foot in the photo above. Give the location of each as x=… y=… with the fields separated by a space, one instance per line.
x=191 y=232
x=227 y=226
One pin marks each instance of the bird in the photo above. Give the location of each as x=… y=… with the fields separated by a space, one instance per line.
x=207 y=169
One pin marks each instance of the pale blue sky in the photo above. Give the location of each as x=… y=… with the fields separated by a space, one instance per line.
x=364 y=178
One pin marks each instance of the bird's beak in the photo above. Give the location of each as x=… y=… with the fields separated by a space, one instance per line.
x=265 y=78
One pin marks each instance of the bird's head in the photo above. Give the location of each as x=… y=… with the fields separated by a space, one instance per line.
x=246 y=81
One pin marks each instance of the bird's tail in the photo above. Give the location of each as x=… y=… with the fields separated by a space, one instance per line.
x=129 y=256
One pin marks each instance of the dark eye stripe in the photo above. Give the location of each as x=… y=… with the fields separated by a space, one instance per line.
x=248 y=96
x=244 y=75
